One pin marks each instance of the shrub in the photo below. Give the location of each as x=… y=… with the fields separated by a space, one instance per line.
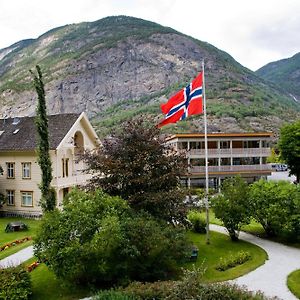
x=149 y=290
x=189 y=287
x=14 y=283
x=97 y=238
x=113 y=295
x=197 y=220
x=224 y=291
x=233 y=260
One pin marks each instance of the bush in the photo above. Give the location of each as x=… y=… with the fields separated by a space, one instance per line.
x=149 y=290
x=233 y=260
x=97 y=238
x=15 y=283
x=197 y=220
x=191 y=288
x=113 y=295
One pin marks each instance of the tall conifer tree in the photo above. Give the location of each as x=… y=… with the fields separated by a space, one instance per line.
x=44 y=161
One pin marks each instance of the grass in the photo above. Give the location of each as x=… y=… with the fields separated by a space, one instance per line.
x=221 y=246
x=293 y=283
x=6 y=237
x=47 y=287
x=14 y=249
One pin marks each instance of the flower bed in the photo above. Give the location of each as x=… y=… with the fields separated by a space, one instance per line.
x=32 y=266
x=233 y=260
x=14 y=243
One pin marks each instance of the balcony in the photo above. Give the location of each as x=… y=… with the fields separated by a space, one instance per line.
x=244 y=152
x=232 y=169
x=76 y=179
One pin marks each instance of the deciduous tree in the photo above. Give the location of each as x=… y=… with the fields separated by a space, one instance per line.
x=289 y=145
x=275 y=205
x=136 y=165
x=98 y=238
x=231 y=206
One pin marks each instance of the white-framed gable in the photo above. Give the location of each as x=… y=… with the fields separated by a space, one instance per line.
x=83 y=128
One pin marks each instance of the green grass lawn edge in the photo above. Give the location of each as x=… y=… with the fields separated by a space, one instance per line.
x=14 y=249
x=221 y=246
x=293 y=283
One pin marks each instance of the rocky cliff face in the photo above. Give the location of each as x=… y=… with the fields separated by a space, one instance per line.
x=118 y=67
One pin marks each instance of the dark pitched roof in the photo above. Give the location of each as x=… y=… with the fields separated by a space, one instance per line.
x=23 y=135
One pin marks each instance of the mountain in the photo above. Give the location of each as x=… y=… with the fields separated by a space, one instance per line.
x=119 y=67
x=285 y=73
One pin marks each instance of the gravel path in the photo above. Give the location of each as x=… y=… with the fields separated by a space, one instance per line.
x=271 y=277
x=17 y=258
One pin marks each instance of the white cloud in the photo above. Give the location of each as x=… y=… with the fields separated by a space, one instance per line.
x=253 y=32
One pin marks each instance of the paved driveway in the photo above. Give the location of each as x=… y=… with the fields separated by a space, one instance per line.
x=271 y=277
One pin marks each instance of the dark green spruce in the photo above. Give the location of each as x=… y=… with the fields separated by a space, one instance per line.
x=44 y=161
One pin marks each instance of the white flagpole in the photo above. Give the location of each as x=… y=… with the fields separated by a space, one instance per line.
x=206 y=157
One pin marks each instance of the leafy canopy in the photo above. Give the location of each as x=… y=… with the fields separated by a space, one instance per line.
x=289 y=145
x=97 y=238
x=232 y=205
x=275 y=205
x=136 y=165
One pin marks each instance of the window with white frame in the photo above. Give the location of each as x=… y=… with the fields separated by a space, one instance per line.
x=10 y=167
x=26 y=170
x=27 y=198
x=10 y=194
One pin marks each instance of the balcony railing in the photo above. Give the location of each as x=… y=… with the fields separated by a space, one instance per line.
x=231 y=152
x=74 y=180
x=238 y=168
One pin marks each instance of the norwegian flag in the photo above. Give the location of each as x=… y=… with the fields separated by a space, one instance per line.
x=185 y=103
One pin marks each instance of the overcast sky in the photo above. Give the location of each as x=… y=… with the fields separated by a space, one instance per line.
x=254 y=32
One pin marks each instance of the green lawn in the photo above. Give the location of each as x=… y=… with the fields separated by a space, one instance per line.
x=11 y=236
x=293 y=282
x=221 y=246
x=47 y=287
x=6 y=237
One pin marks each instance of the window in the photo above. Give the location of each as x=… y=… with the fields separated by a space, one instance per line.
x=224 y=144
x=251 y=144
x=197 y=145
x=65 y=167
x=213 y=162
x=26 y=170
x=27 y=198
x=225 y=161
x=10 y=194
x=265 y=144
x=10 y=170
x=183 y=145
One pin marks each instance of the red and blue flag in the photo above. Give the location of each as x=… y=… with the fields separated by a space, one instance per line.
x=185 y=103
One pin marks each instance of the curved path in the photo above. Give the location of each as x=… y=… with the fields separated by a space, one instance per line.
x=271 y=277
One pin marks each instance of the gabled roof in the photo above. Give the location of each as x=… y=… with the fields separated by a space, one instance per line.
x=18 y=134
